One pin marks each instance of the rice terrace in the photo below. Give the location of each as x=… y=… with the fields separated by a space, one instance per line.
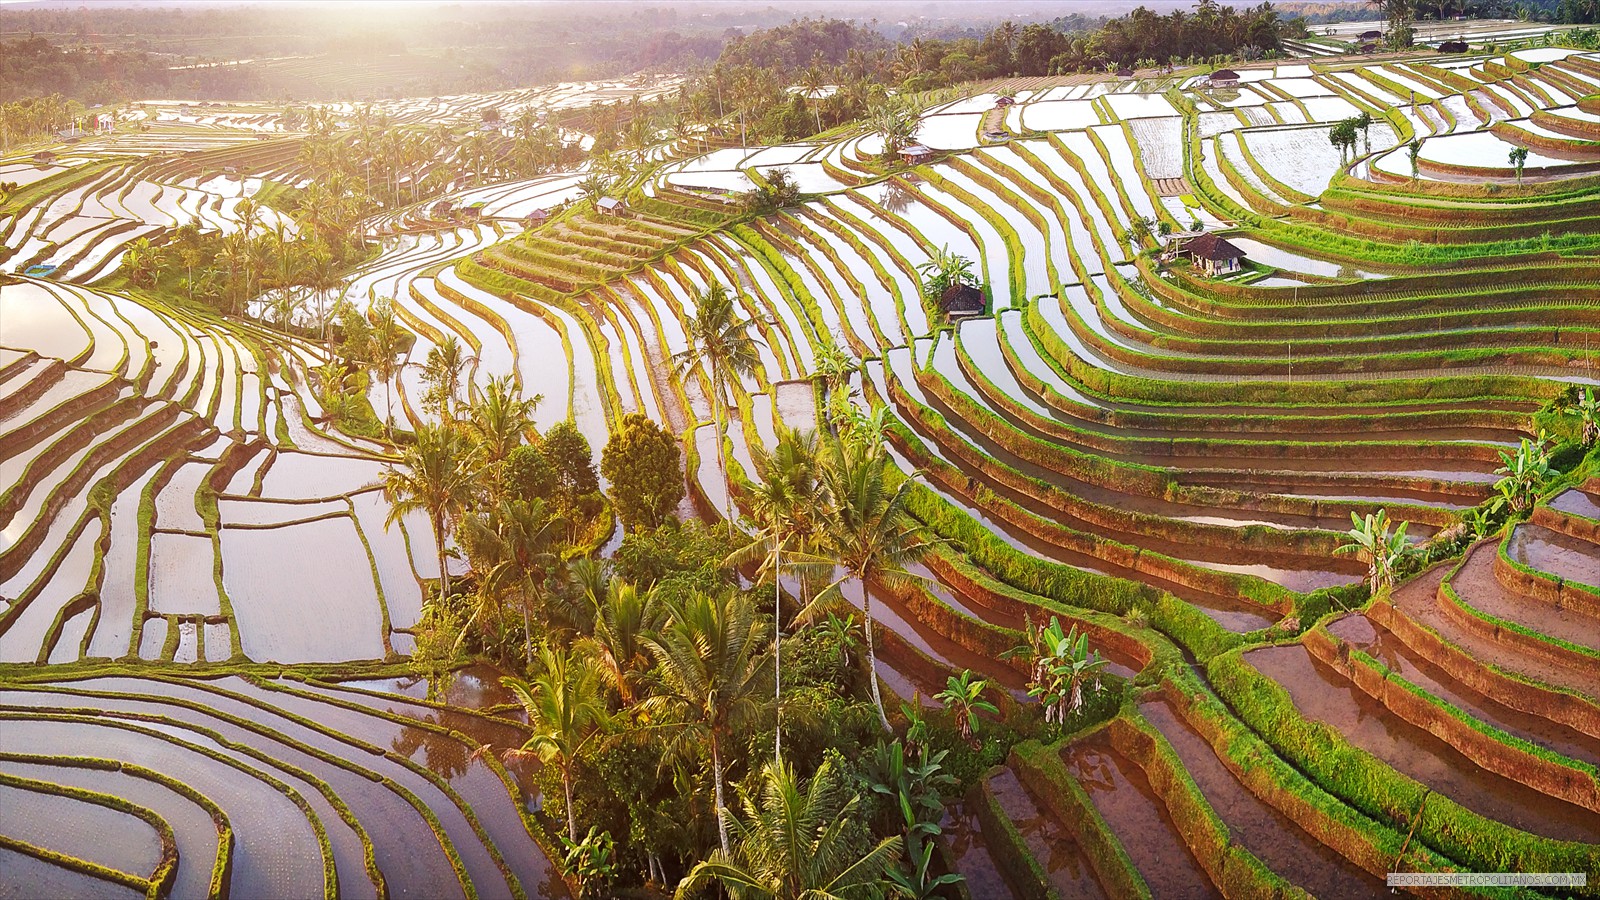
x=1029 y=449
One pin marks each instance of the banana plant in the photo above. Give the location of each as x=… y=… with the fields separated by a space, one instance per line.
x=1587 y=412
x=1061 y=665
x=1525 y=473
x=1378 y=547
x=963 y=698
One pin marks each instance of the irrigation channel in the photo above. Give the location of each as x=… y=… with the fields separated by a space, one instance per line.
x=205 y=616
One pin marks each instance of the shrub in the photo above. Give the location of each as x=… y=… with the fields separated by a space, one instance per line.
x=645 y=467
x=528 y=474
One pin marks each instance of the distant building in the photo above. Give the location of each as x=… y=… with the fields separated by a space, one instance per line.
x=1004 y=102
x=1213 y=255
x=611 y=206
x=1124 y=72
x=1223 y=78
x=915 y=154
x=1453 y=47
x=44 y=158
x=960 y=301
x=1370 y=36
x=442 y=209
x=472 y=211
x=536 y=218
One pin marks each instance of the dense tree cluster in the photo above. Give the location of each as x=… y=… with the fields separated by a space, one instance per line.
x=34 y=67
x=1321 y=12
x=769 y=85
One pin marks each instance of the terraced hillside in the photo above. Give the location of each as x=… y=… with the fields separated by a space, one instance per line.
x=202 y=610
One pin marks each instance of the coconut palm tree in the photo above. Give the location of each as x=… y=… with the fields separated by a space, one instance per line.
x=867 y=531
x=442 y=371
x=714 y=681
x=500 y=419
x=386 y=343
x=784 y=504
x=519 y=541
x=1373 y=543
x=566 y=710
x=797 y=843
x=720 y=346
x=432 y=477
x=625 y=620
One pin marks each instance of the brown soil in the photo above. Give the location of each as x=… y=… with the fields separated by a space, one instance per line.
x=1417 y=600
x=1274 y=838
x=1323 y=695
x=1381 y=644
x=1477 y=586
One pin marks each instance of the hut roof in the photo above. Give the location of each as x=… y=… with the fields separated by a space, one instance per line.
x=961 y=299
x=1224 y=75
x=1209 y=246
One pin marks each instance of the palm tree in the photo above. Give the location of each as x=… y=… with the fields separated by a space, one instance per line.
x=140 y=261
x=897 y=123
x=500 y=419
x=432 y=477
x=784 y=506
x=625 y=620
x=944 y=269
x=565 y=710
x=867 y=531
x=797 y=844
x=515 y=544
x=1373 y=543
x=713 y=680
x=387 y=341
x=442 y=371
x=721 y=346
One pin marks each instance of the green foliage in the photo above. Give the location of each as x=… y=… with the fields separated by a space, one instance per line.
x=676 y=558
x=796 y=841
x=1525 y=473
x=644 y=465
x=591 y=862
x=778 y=192
x=1060 y=665
x=527 y=474
x=1378 y=547
x=963 y=699
x=567 y=451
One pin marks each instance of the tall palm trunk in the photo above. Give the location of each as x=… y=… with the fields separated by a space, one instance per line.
x=527 y=629
x=872 y=653
x=572 y=817
x=438 y=543
x=716 y=775
x=719 y=410
x=777 y=650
